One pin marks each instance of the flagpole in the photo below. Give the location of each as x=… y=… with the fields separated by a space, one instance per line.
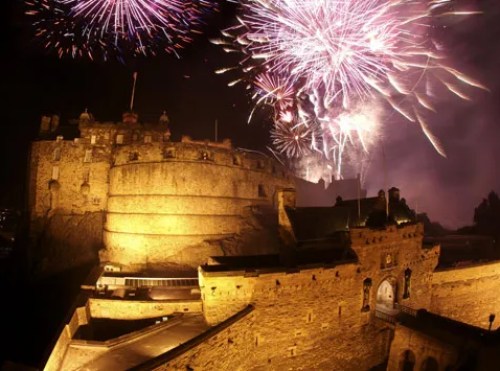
x=384 y=164
x=216 y=127
x=133 y=93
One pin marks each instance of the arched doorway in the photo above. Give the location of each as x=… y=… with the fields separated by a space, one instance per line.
x=430 y=364
x=407 y=361
x=386 y=296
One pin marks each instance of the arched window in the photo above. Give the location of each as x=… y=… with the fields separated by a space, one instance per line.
x=367 y=284
x=430 y=364
x=407 y=361
x=407 y=285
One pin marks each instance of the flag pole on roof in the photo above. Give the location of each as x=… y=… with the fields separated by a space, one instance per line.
x=133 y=93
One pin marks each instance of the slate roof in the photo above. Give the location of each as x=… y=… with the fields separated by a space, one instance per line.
x=323 y=223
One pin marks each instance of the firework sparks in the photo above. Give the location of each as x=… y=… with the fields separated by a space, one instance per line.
x=316 y=62
x=118 y=27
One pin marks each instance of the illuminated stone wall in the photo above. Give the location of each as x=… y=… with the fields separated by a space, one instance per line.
x=224 y=294
x=149 y=201
x=180 y=202
x=313 y=316
x=310 y=318
x=136 y=309
x=240 y=347
x=405 y=247
x=422 y=348
x=69 y=177
x=79 y=318
x=68 y=194
x=468 y=294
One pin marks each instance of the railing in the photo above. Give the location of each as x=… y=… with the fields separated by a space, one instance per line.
x=163 y=282
x=391 y=317
x=385 y=316
x=137 y=282
x=410 y=311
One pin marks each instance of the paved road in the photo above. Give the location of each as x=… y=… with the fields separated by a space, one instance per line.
x=136 y=352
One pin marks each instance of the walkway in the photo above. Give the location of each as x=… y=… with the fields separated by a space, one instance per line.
x=135 y=351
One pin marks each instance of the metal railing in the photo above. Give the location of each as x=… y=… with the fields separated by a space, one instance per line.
x=385 y=316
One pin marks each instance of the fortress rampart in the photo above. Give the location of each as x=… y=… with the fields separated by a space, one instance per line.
x=160 y=202
x=468 y=294
x=180 y=195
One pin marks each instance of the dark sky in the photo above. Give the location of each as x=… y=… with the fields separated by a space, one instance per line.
x=35 y=82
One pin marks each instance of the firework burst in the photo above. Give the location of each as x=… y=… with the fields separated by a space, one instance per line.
x=319 y=61
x=119 y=27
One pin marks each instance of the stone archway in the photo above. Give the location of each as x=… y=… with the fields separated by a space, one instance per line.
x=386 y=296
x=430 y=364
x=407 y=361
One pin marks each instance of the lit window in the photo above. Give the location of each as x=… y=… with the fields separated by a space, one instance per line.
x=206 y=156
x=88 y=156
x=147 y=139
x=93 y=139
x=56 y=155
x=119 y=139
x=55 y=172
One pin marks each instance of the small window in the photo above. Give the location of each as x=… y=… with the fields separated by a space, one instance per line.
x=93 y=139
x=88 y=156
x=133 y=156
x=119 y=139
x=260 y=164
x=56 y=155
x=86 y=175
x=147 y=139
x=169 y=153
x=55 y=172
x=236 y=160
x=106 y=135
x=206 y=156
x=262 y=191
x=134 y=137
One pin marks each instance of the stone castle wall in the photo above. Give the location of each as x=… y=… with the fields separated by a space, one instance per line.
x=468 y=294
x=406 y=251
x=160 y=200
x=68 y=193
x=422 y=348
x=167 y=200
x=310 y=317
x=69 y=176
x=136 y=309
x=316 y=316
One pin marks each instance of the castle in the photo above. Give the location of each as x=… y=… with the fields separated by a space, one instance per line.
x=158 y=204
x=207 y=240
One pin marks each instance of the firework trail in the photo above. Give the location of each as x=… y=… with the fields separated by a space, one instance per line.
x=324 y=64
x=58 y=31
x=118 y=27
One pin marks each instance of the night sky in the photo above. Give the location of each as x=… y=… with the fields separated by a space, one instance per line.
x=36 y=82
